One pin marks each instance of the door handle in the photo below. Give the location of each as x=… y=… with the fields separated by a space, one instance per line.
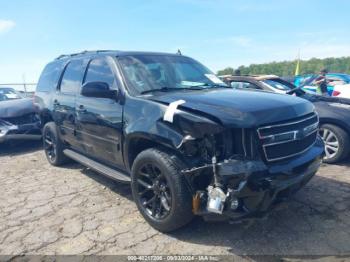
x=82 y=109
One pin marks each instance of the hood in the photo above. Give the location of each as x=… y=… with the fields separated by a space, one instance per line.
x=239 y=108
x=16 y=107
x=328 y=99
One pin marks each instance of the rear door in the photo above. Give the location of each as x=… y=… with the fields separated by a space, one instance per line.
x=64 y=101
x=99 y=120
x=47 y=86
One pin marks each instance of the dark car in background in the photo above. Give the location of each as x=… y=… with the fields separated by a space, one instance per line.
x=333 y=112
x=18 y=118
x=188 y=144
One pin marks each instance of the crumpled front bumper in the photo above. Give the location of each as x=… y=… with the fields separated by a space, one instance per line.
x=261 y=186
x=10 y=131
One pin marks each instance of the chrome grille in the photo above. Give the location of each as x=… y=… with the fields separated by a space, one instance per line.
x=287 y=139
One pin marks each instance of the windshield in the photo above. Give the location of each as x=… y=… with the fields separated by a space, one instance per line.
x=8 y=94
x=147 y=73
x=308 y=81
x=277 y=85
x=339 y=77
x=346 y=78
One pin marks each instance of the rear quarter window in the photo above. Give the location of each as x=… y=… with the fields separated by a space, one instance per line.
x=50 y=76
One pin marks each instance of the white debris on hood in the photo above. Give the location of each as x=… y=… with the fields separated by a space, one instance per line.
x=214 y=79
x=171 y=110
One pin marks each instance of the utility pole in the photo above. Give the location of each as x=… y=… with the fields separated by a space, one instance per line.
x=24 y=83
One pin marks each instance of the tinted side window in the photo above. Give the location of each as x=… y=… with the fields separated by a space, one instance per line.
x=49 y=77
x=241 y=84
x=99 y=71
x=72 y=77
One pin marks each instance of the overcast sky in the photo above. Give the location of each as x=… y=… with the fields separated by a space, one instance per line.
x=219 y=33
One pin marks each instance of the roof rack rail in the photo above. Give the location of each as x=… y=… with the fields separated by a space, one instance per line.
x=82 y=53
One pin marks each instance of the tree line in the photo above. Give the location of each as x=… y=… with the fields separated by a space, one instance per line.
x=287 y=68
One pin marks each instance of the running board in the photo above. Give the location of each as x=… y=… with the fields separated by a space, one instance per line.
x=104 y=170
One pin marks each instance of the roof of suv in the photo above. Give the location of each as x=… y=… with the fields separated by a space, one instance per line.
x=113 y=53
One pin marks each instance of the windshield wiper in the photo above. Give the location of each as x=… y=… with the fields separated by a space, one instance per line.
x=212 y=85
x=195 y=87
x=166 y=89
x=296 y=90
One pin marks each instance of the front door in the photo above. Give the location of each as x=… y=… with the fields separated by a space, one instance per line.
x=100 y=120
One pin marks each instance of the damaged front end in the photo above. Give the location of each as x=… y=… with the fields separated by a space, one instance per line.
x=242 y=172
x=19 y=120
x=26 y=126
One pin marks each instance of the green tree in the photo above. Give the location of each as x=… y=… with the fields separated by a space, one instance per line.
x=287 y=68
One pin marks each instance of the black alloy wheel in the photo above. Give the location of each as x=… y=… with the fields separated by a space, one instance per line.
x=53 y=146
x=160 y=190
x=50 y=146
x=153 y=191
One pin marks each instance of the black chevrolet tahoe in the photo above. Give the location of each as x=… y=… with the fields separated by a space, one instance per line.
x=186 y=142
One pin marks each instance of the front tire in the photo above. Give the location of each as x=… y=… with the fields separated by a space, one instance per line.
x=160 y=191
x=53 y=145
x=337 y=143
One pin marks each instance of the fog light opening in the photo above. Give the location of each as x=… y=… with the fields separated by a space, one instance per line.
x=234 y=205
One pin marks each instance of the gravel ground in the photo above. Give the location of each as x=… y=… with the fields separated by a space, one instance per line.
x=73 y=210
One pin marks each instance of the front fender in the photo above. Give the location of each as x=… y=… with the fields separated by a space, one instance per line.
x=143 y=119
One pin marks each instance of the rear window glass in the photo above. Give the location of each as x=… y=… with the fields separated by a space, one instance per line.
x=278 y=85
x=239 y=84
x=72 y=77
x=49 y=77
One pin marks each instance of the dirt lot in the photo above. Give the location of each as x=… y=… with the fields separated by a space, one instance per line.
x=72 y=210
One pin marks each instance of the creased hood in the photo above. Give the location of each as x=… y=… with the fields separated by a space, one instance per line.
x=16 y=107
x=239 y=108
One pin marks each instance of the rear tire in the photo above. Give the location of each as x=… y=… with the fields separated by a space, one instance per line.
x=160 y=191
x=53 y=145
x=337 y=143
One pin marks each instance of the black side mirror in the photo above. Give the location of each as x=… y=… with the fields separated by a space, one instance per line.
x=98 y=90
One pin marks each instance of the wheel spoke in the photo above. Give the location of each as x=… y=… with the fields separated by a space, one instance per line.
x=154 y=206
x=330 y=153
x=48 y=142
x=152 y=171
x=325 y=133
x=168 y=198
x=147 y=202
x=329 y=136
x=164 y=202
x=145 y=191
x=335 y=143
x=145 y=175
x=144 y=184
x=149 y=169
x=333 y=148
